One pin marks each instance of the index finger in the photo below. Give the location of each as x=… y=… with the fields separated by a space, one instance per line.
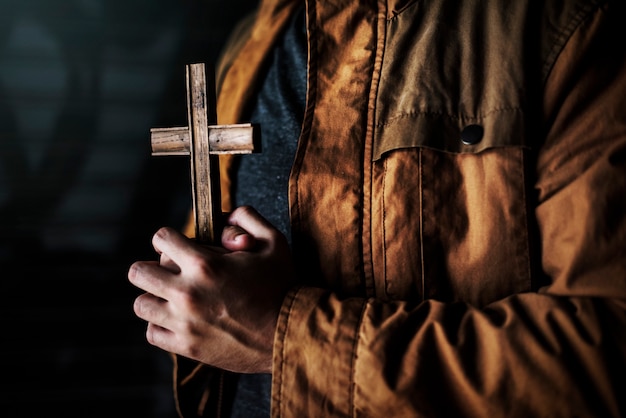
x=176 y=246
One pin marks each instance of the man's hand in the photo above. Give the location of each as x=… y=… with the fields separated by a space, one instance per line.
x=216 y=305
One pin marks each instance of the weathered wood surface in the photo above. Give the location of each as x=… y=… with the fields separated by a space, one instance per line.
x=204 y=167
x=203 y=140
x=223 y=139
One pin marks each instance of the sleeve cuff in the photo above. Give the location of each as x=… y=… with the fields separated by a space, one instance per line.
x=314 y=354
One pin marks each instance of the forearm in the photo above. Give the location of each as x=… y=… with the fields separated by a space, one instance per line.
x=527 y=355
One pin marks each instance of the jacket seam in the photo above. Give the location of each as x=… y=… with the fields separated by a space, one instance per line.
x=353 y=359
x=305 y=131
x=367 y=233
x=421 y=220
x=384 y=229
x=477 y=117
x=563 y=36
x=397 y=13
x=283 y=351
x=382 y=46
x=526 y=251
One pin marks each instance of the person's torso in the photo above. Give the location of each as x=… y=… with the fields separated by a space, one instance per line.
x=411 y=178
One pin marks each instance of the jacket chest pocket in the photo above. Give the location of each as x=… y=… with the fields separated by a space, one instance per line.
x=449 y=217
x=450 y=226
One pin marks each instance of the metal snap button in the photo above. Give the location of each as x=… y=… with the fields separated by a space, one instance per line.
x=472 y=134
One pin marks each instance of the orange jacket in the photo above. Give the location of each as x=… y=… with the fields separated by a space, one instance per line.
x=458 y=206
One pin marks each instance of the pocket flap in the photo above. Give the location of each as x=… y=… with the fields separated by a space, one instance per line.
x=501 y=128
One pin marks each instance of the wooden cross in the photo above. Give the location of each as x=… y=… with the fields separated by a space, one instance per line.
x=203 y=141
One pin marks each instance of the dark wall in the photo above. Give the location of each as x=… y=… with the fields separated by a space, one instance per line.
x=81 y=84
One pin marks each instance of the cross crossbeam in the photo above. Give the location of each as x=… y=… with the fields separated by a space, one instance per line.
x=203 y=141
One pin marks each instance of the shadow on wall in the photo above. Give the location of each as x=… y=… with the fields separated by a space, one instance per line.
x=81 y=84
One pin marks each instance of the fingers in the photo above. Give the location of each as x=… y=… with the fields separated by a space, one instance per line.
x=245 y=227
x=166 y=262
x=235 y=238
x=152 y=309
x=174 y=247
x=155 y=312
x=150 y=277
x=248 y=219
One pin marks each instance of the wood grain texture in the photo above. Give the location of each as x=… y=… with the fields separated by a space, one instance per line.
x=204 y=167
x=223 y=139
x=203 y=141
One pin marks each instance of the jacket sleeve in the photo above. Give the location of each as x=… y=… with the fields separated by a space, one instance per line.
x=560 y=351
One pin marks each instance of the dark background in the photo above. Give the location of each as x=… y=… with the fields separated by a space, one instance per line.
x=81 y=84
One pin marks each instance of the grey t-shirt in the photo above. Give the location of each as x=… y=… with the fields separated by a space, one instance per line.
x=262 y=179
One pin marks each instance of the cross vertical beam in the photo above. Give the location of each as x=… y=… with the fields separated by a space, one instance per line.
x=204 y=167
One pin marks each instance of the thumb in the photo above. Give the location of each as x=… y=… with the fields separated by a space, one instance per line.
x=253 y=223
x=235 y=238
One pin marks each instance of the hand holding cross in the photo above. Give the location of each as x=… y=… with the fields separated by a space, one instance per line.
x=229 y=316
x=203 y=141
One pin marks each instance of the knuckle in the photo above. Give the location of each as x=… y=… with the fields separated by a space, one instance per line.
x=163 y=231
x=276 y=236
x=186 y=299
x=203 y=268
x=192 y=351
x=198 y=264
x=245 y=209
x=162 y=234
x=190 y=300
x=185 y=343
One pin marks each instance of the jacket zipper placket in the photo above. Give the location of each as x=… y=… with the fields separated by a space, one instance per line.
x=379 y=32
